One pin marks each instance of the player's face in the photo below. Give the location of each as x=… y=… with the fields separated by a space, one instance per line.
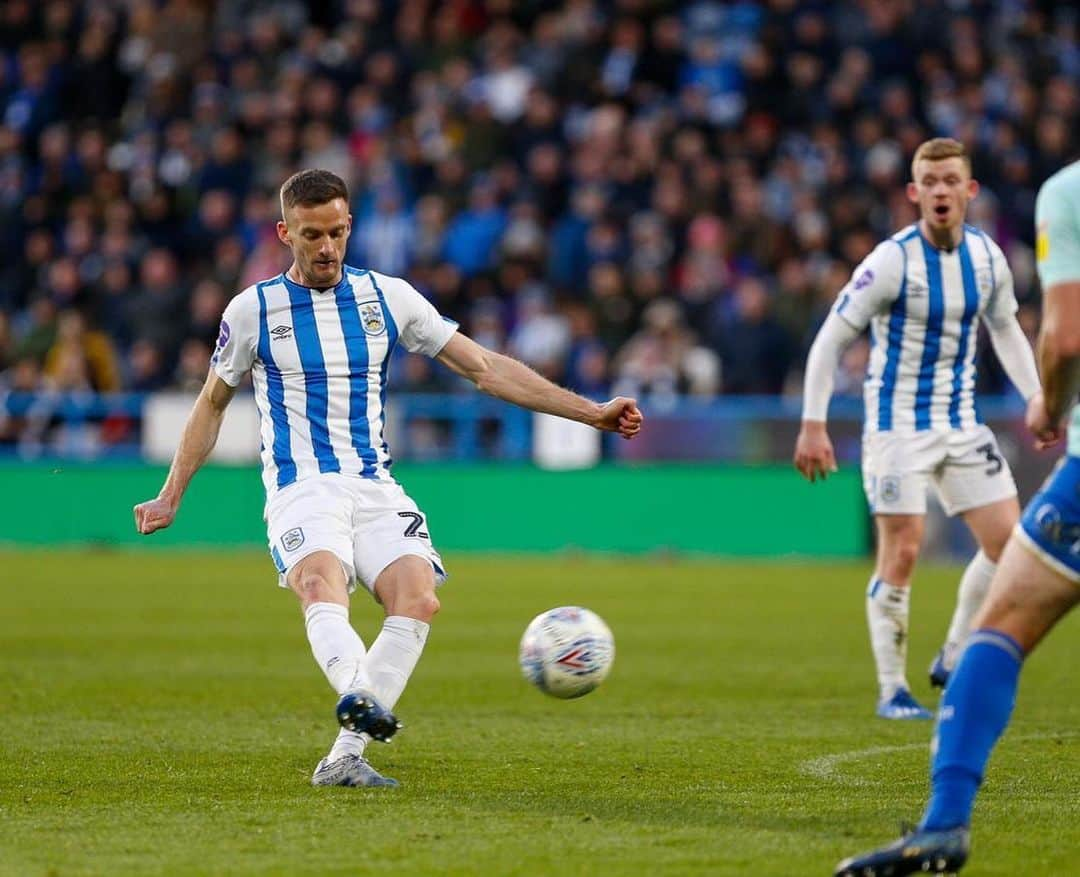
x=317 y=237
x=942 y=189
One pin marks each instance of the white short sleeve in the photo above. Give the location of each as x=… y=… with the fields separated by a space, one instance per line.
x=874 y=285
x=421 y=328
x=1001 y=307
x=238 y=338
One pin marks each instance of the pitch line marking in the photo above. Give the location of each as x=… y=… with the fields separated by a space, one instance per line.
x=825 y=767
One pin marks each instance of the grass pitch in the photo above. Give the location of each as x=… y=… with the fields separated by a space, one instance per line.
x=163 y=716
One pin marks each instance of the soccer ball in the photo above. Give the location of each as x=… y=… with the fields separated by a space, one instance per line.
x=566 y=652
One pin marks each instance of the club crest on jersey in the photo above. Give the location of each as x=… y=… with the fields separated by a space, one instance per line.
x=890 y=489
x=371 y=317
x=292 y=539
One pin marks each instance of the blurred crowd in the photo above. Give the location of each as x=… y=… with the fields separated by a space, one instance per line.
x=635 y=195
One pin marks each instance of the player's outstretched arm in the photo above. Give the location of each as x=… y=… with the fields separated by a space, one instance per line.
x=505 y=378
x=197 y=441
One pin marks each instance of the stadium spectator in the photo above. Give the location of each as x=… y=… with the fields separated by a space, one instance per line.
x=669 y=154
x=81 y=357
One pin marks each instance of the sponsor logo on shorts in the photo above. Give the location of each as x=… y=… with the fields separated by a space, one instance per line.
x=890 y=489
x=371 y=316
x=293 y=539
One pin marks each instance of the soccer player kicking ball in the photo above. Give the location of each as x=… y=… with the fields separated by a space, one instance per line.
x=922 y=292
x=317 y=341
x=1037 y=582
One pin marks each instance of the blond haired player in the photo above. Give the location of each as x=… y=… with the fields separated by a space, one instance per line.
x=923 y=292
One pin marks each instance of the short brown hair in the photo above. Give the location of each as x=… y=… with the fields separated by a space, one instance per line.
x=311 y=188
x=940 y=148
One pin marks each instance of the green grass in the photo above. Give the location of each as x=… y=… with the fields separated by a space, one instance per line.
x=163 y=716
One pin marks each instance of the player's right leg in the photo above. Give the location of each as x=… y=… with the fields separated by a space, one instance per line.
x=310 y=532
x=896 y=474
x=888 y=610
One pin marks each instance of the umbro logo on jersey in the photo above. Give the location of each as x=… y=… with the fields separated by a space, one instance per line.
x=280 y=332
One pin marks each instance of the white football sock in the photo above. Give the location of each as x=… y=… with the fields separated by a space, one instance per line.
x=887 y=608
x=974 y=585
x=390 y=663
x=393 y=656
x=337 y=648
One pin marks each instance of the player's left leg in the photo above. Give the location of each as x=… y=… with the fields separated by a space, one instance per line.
x=394 y=557
x=991 y=526
x=406 y=589
x=976 y=483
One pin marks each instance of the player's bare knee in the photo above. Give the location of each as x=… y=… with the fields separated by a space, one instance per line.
x=421 y=605
x=312 y=587
x=430 y=605
x=994 y=546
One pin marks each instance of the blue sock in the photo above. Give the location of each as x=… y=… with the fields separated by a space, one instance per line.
x=974 y=712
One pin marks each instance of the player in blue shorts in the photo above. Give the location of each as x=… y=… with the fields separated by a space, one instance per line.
x=317 y=341
x=1037 y=582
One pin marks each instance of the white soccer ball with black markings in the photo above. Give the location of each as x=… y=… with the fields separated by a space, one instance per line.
x=566 y=652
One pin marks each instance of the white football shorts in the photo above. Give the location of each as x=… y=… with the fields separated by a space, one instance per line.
x=367 y=524
x=965 y=467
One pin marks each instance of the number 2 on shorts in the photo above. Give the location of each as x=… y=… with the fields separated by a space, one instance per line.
x=417 y=521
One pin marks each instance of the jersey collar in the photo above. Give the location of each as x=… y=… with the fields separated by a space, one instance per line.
x=293 y=285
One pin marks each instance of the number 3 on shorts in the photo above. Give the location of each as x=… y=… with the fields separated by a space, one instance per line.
x=416 y=522
x=992 y=457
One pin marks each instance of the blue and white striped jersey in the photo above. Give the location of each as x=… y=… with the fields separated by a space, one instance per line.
x=318 y=361
x=921 y=304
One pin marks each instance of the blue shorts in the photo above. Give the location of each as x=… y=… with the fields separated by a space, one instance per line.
x=1050 y=526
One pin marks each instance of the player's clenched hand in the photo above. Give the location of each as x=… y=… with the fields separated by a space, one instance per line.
x=1046 y=432
x=814 y=456
x=620 y=415
x=154 y=514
